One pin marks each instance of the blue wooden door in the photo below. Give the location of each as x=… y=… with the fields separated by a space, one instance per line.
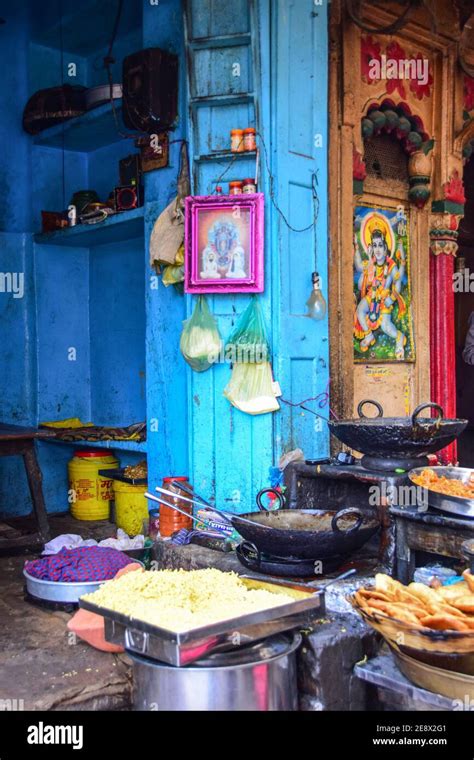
x=299 y=117
x=279 y=51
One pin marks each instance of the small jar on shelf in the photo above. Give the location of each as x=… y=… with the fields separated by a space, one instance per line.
x=237 y=141
x=236 y=187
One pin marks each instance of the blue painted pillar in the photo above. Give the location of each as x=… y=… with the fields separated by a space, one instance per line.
x=166 y=379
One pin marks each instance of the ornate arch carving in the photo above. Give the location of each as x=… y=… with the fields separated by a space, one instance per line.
x=398 y=120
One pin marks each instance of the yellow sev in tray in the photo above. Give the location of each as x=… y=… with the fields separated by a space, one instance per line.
x=180 y=600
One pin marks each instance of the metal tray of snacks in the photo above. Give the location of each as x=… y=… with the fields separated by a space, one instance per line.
x=456 y=505
x=181 y=648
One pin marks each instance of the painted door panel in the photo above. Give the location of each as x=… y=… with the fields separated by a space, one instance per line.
x=230 y=451
x=300 y=131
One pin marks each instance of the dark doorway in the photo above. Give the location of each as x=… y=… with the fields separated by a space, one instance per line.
x=464 y=308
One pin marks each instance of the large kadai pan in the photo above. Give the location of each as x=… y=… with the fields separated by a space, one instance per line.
x=307 y=533
x=299 y=533
x=397 y=437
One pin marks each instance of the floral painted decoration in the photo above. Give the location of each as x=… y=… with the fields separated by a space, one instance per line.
x=454 y=189
x=468 y=93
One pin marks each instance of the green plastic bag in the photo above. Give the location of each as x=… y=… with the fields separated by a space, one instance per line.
x=200 y=342
x=248 y=343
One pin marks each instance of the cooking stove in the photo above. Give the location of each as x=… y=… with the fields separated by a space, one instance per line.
x=329 y=484
x=285 y=567
x=409 y=536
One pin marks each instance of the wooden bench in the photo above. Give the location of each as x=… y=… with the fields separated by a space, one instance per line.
x=16 y=440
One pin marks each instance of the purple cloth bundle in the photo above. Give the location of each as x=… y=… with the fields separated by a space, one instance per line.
x=86 y=563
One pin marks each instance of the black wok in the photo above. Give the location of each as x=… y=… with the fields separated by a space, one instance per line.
x=397 y=437
x=305 y=533
x=301 y=533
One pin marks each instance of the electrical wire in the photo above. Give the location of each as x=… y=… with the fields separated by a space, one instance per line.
x=314 y=183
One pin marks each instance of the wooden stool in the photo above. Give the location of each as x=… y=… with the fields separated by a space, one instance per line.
x=20 y=441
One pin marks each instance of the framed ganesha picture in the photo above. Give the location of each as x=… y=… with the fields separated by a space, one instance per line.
x=383 y=321
x=224 y=242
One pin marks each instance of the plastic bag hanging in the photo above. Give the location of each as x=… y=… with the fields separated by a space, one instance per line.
x=251 y=389
x=200 y=342
x=248 y=343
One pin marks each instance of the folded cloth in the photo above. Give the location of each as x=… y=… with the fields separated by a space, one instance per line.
x=68 y=541
x=122 y=542
x=90 y=627
x=86 y=563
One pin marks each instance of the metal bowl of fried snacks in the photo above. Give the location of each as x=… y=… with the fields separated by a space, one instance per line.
x=449 y=489
x=419 y=617
x=440 y=681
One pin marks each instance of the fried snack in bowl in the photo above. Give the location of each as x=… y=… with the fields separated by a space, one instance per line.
x=437 y=620
x=430 y=480
x=469 y=578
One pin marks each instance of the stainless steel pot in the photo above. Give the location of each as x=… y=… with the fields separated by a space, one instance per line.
x=258 y=678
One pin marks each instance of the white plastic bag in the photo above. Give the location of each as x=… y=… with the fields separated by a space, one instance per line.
x=250 y=388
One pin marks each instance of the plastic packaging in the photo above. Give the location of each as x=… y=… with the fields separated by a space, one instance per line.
x=248 y=343
x=250 y=389
x=430 y=572
x=200 y=341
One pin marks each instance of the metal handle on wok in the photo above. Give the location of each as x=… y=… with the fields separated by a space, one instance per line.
x=428 y=405
x=345 y=513
x=273 y=492
x=361 y=405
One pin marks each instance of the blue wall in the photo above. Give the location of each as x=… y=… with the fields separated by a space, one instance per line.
x=104 y=300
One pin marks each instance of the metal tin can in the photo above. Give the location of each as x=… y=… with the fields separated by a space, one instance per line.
x=236 y=188
x=249 y=186
x=237 y=141
x=250 y=139
x=72 y=215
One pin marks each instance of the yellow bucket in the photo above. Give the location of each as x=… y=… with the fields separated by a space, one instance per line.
x=131 y=507
x=91 y=493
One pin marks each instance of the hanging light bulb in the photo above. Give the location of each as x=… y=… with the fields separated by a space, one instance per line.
x=316 y=303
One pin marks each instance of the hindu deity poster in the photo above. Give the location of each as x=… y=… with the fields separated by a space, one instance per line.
x=383 y=325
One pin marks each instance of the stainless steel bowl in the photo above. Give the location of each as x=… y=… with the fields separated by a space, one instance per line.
x=454 y=504
x=57 y=591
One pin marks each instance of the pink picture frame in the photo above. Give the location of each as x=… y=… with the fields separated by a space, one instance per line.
x=224 y=243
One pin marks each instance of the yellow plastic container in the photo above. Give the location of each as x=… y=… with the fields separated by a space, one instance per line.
x=131 y=507
x=91 y=492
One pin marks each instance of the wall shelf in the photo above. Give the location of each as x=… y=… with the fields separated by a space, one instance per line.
x=227 y=155
x=94 y=129
x=118 y=227
x=220 y=41
x=222 y=100
x=132 y=446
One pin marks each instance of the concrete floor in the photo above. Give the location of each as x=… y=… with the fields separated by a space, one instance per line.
x=41 y=663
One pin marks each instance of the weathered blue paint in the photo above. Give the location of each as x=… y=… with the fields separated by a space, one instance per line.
x=85 y=291
x=300 y=138
x=229 y=451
